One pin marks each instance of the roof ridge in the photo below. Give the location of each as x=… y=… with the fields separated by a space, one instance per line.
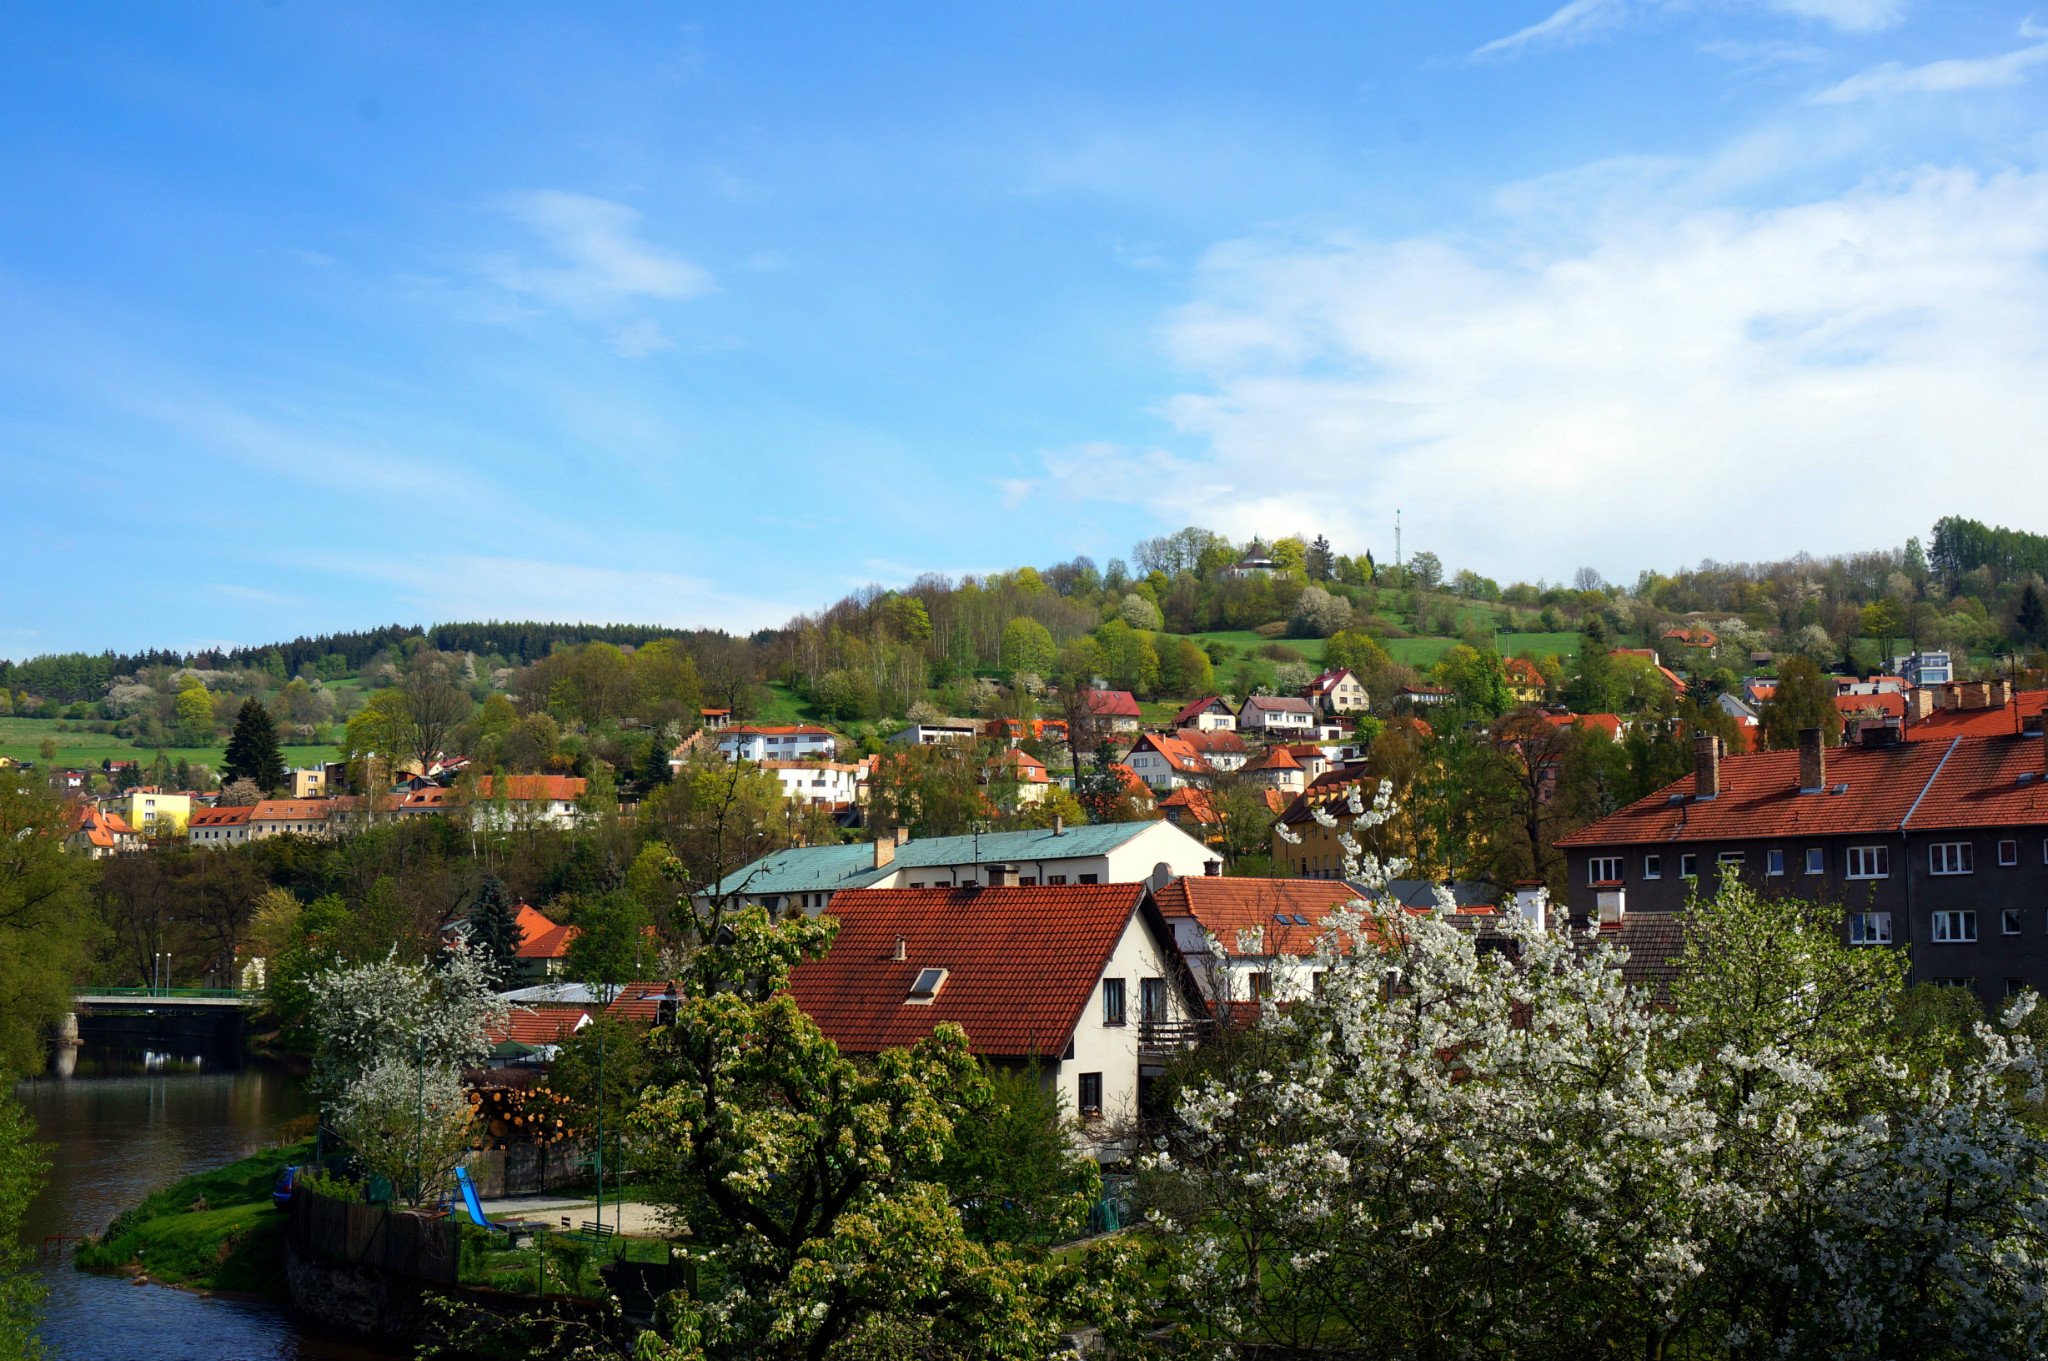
x=1954 y=742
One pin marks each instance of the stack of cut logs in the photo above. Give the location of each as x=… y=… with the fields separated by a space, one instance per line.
x=506 y=1116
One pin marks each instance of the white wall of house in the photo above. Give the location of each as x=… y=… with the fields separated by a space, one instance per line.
x=1210 y=721
x=1113 y=1050
x=743 y=746
x=1275 y=720
x=823 y=782
x=1229 y=977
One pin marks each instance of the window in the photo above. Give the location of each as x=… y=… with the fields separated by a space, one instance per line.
x=1055 y=878
x=1949 y=857
x=1091 y=1095
x=1317 y=979
x=1151 y=999
x=1816 y=860
x=1261 y=985
x=1653 y=867
x=916 y=884
x=1731 y=860
x=1870 y=928
x=1774 y=862
x=2015 y=986
x=1112 y=1001
x=927 y=986
x=1087 y=879
x=1688 y=867
x=1955 y=928
x=2010 y=919
x=1953 y=982
x=1870 y=862
x=1603 y=869
x=1027 y=881
x=2008 y=852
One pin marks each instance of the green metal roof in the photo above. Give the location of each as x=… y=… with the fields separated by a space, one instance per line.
x=826 y=869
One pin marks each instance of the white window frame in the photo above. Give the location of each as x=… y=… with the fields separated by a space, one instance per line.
x=1774 y=862
x=1689 y=866
x=2009 y=920
x=1598 y=863
x=1870 y=928
x=1957 y=927
x=1868 y=862
x=1817 y=859
x=2009 y=852
x=1951 y=857
x=1653 y=867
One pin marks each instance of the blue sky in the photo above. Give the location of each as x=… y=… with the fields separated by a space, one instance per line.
x=324 y=316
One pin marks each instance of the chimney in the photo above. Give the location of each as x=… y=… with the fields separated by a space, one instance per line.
x=902 y=951
x=1919 y=703
x=994 y=874
x=1813 y=762
x=1059 y=825
x=903 y=836
x=885 y=851
x=2001 y=693
x=1612 y=904
x=1706 y=766
x=1212 y=869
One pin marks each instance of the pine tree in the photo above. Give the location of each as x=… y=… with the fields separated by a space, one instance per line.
x=253 y=752
x=2032 y=621
x=494 y=928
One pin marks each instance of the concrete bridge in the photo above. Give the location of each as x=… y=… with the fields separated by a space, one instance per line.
x=140 y=1016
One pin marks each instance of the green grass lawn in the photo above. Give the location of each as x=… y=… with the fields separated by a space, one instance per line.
x=1248 y=643
x=235 y=1243
x=1422 y=652
x=22 y=739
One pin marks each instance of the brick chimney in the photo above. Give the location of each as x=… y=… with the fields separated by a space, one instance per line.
x=2001 y=693
x=1706 y=766
x=885 y=851
x=1813 y=762
x=995 y=874
x=1919 y=703
x=902 y=836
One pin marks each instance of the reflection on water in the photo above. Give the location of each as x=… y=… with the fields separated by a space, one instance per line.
x=124 y=1122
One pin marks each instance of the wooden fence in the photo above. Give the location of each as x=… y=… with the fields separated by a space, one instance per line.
x=403 y=1242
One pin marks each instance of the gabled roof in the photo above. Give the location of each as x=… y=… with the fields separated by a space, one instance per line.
x=810 y=869
x=1218 y=741
x=1607 y=723
x=1330 y=680
x=222 y=817
x=1178 y=753
x=541 y=1025
x=540 y=938
x=1966 y=782
x=1113 y=703
x=640 y=1002
x=1022 y=964
x=1225 y=906
x=291 y=810
x=1522 y=671
x=1292 y=704
x=1273 y=758
x=1332 y=787
x=530 y=788
x=1890 y=705
x=1208 y=704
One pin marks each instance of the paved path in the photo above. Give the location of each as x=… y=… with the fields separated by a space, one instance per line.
x=634 y=1218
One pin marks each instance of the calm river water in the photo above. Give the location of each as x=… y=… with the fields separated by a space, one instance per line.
x=124 y=1123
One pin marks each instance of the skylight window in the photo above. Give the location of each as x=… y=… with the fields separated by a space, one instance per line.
x=926 y=988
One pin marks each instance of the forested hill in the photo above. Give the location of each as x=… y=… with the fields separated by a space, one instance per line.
x=83 y=675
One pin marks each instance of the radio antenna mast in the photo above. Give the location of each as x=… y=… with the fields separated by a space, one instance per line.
x=1397 y=538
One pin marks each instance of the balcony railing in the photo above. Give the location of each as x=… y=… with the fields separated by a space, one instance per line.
x=1169 y=1037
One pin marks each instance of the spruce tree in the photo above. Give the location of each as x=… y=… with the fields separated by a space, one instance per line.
x=494 y=928
x=253 y=752
x=2032 y=620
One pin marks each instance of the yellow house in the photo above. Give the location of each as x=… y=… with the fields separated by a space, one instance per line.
x=1525 y=682
x=309 y=783
x=150 y=811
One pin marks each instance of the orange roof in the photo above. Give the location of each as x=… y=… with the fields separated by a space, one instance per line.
x=1522 y=671
x=1964 y=782
x=1204 y=742
x=1114 y=703
x=1273 y=758
x=526 y=788
x=433 y=796
x=1021 y=964
x=222 y=817
x=1178 y=753
x=540 y=938
x=1607 y=723
x=1946 y=723
x=639 y=1002
x=1226 y=906
x=291 y=810
x=541 y=1025
x=1890 y=705
x=1030 y=770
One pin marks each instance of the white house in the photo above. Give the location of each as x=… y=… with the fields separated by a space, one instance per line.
x=1084 y=982
x=1208 y=714
x=831 y=783
x=540 y=798
x=961 y=730
x=1264 y=932
x=1277 y=715
x=808 y=877
x=751 y=742
x=1338 y=692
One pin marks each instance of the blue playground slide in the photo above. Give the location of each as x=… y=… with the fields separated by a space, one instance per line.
x=472 y=1204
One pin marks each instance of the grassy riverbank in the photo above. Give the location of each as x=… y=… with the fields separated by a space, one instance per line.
x=215 y=1230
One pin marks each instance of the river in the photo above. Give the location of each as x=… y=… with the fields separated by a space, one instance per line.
x=123 y=1123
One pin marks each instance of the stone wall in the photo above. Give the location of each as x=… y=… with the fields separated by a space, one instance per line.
x=526 y=1169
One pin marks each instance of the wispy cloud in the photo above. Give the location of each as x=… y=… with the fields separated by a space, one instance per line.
x=1940 y=77
x=603 y=261
x=638 y=339
x=1581 y=20
x=1673 y=381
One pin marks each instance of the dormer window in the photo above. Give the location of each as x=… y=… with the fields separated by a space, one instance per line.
x=926 y=988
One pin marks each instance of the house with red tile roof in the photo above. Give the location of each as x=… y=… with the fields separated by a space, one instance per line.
x=97 y=835
x=1338 y=692
x=1610 y=724
x=1525 y=682
x=1248 y=939
x=1276 y=715
x=1972 y=709
x=543 y=945
x=1693 y=637
x=1207 y=714
x=540 y=1027
x=1671 y=678
x=1193 y=811
x=1222 y=749
x=1938 y=846
x=1117 y=708
x=220 y=826
x=1166 y=762
x=505 y=801
x=1083 y=980
x=1276 y=768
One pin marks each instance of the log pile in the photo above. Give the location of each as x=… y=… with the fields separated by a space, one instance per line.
x=519 y=1115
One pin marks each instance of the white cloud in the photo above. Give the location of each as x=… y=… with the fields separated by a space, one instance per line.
x=1938 y=77
x=637 y=340
x=604 y=261
x=1580 y=20
x=1684 y=382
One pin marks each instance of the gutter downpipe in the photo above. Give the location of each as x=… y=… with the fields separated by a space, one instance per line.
x=1906 y=860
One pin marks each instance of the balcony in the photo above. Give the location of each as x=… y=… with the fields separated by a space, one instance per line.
x=1171 y=1037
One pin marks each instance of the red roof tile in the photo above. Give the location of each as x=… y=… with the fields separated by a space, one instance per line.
x=640 y=1002
x=541 y=1025
x=1113 y=703
x=540 y=938
x=1226 y=906
x=1947 y=723
x=1021 y=962
x=525 y=788
x=1206 y=704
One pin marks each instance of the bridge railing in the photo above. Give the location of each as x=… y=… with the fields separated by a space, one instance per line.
x=167 y=993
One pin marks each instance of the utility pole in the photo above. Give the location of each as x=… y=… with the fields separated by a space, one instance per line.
x=1397 y=537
